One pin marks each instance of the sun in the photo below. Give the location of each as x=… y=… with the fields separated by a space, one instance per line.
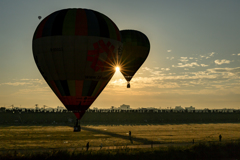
x=117 y=69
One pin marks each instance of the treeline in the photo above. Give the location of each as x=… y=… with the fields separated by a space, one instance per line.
x=115 y=118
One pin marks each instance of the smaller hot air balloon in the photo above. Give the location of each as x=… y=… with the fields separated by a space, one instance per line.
x=39 y=17
x=136 y=47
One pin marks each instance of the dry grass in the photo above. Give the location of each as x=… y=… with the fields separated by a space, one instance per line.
x=40 y=137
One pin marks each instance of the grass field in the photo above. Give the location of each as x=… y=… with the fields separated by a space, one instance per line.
x=63 y=137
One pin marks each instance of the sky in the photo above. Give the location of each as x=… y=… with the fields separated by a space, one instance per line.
x=194 y=58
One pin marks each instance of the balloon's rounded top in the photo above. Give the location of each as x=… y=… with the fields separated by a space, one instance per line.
x=80 y=22
x=135 y=38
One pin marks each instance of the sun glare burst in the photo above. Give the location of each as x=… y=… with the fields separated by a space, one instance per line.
x=117 y=69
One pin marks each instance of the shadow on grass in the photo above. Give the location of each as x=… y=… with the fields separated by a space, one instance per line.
x=126 y=137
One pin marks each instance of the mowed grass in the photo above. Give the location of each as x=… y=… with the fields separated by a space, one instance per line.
x=63 y=137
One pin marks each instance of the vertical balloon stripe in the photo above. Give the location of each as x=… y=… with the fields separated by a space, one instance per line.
x=102 y=25
x=72 y=87
x=135 y=37
x=92 y=87
x=79 y=88
x=59 y=86
x=69 y=23
x=93 y=24
x=47 y=30
x=65 y=87
x=81 y=27
x=101 y=88
x=58 y=23
x=117 y=32
x=54 y=88
x=39 y=30
x=98 y=87
x=86 y=86
x=111 y=29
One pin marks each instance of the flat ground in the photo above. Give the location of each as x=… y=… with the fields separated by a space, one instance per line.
x=63 y=137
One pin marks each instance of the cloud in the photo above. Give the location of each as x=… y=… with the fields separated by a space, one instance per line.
x=204 y=65
x=22 y=82
x=223 y=61
x=169 y=50
x=170 y=58
x=222 y=70
x=211 y=54
x=213 y=81
x=165 y=69
x=16 y=83
x=151 y=71
x=146 y=69
x=183 y=59
x=191 y=65
x=238 y=54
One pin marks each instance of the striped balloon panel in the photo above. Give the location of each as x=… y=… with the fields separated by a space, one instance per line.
x=81 y=22
x=136 y=38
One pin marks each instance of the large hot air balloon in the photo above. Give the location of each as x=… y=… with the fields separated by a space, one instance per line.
x=136 y=47
x=76 y=51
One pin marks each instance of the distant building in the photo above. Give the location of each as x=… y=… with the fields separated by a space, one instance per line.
x=124 y=107
x=60 y=108
x=190 y=109
x=179 y=108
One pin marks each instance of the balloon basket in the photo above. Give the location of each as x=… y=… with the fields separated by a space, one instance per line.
x=128 y=85
x=77 y=128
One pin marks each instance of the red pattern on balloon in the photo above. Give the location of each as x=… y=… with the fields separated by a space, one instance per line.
x=99 y=48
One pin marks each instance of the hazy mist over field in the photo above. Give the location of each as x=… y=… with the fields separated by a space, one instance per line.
x=193 y=61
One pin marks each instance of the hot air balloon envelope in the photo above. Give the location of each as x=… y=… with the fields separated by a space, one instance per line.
x=136 y=47
x=75 y=51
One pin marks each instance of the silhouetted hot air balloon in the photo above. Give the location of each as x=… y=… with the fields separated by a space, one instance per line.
x=39 y=17
x=75 y=50
x=136 y=47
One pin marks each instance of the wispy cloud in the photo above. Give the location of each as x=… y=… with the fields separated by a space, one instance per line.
x=15 y=83
x=22 y=82
x=169 y=50
x=223 y=61
x=183 y=59
x=165 y=69
x=170 y=58
x=191 y=65
x=204 y=65
x=207 y=56
x=211 y=54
